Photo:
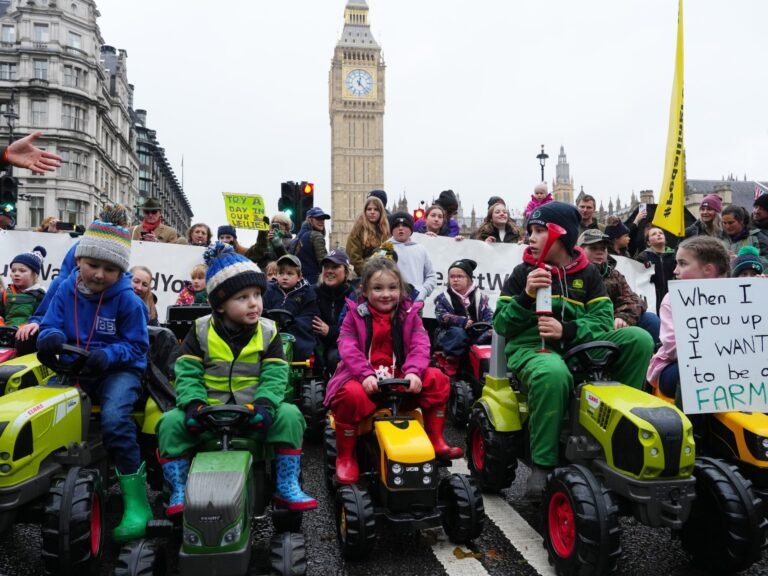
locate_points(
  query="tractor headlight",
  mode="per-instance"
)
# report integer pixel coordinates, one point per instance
(191, 538)
(427, 468)
(646, 435)
(398, 480)
(5, 456)
(426, 480)
(397, 468)
(231, 536)
(764, 442)
(756, 444)
(5, 468)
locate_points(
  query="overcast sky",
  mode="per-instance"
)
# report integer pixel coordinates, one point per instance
(240, 88)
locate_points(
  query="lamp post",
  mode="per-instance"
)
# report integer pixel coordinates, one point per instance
(542, 160)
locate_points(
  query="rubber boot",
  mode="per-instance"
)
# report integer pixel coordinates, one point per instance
(136, 509)
(347, 471)
(434, 422)
(175, 471)
(451, 365)
(289, 493)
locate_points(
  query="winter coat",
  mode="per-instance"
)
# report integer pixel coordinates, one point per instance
(487, 229)
(331, 302)
(534, 203)
(664, 270)
(756, 238)
(187, 296)
(120, 329)
(450, 228)
(697, 229)
(409, 336)
(626, 304)
(416, 267)
(668, 352)
(450, 311)
(263, 251)
(301, 301)
(67, 266)
(17, 306)
(309, 246)
(163, 233)
(358, 252)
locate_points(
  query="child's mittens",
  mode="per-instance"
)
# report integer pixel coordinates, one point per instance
(51, 344)
(98, 361)
(261, 417)
(192, 412)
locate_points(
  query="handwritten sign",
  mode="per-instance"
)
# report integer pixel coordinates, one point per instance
(245, 211)
(721, 331)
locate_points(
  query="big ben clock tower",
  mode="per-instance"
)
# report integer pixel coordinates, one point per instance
(356, 92)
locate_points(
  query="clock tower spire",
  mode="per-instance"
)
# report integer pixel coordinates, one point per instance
(356, 108)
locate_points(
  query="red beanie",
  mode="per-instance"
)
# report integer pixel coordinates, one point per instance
(712, 201)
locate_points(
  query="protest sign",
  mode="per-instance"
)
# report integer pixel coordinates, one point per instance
(721, 331)
(245, 211)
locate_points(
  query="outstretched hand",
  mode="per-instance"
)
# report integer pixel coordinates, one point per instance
(24, 154)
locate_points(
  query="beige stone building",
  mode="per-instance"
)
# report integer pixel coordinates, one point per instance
(562, 187)
(356, 107)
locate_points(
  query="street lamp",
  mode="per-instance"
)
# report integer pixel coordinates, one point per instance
(542, 160)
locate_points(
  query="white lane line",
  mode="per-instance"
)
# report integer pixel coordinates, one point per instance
(521, 535)
(444, 552)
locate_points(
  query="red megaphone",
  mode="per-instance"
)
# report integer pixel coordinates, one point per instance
(554, 233)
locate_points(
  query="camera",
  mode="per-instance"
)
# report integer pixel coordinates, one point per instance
(64, 226)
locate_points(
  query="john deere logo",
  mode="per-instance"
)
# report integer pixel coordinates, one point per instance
(536, 214)
(578, 283)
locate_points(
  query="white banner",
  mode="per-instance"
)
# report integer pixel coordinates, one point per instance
(495, 263)
(170, 264)
(721, 331)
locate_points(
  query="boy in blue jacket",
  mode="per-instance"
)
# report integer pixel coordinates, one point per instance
(293, 293)
(96, 309)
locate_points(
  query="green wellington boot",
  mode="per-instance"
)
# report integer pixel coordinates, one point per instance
(136, 509)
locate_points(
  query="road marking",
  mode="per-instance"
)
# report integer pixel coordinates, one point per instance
(443, 551)
(520, 534)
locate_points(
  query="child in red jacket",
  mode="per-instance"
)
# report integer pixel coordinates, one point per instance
(382, 337)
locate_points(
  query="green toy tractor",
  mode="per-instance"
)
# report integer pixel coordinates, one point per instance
(228, 486)
(400, 482)
(623, 452)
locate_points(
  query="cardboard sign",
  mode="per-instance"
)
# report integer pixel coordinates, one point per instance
(721, 331)
(245, 211)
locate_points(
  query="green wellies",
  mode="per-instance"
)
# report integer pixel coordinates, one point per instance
(136, 509)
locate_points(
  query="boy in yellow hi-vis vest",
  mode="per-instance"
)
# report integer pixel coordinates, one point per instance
(233, 356)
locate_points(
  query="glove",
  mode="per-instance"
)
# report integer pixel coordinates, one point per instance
(193, 410)
(97, 362)
(51, 344)
(261, 417)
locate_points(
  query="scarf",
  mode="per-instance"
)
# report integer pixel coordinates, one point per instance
(147, 227)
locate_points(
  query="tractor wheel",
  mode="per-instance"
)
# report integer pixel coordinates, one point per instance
(311, 398)
(726, 530)
(464, 513)
(140, 558)
(288, 554)
(581, 523)
(73, 525)
(355, 521)
(286, 520)
(460, 402)
(490, 454)
(329, 451)
(6, 521)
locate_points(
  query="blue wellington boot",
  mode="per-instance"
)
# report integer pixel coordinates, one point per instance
(288, 493)
(175, 471)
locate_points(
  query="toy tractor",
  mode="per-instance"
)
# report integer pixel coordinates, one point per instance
(624, 452)
(467, 385)
(17, 372)
(399, 481)
(305, 387)
(228, 486)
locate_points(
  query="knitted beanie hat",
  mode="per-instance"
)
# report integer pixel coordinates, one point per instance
(562, 214)
(748, 258)
(400, 218)
(466, 265)
(614, 231)
(761, 201)
(448, 200)
(32, 260)
(380, 194)
(106, 241)
(228, 273)
(115, 213)
(712, 201)
(226, 229)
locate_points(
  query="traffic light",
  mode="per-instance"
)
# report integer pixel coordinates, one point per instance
(9, 194)
(287, 202)
(306, 197)
(418, 214)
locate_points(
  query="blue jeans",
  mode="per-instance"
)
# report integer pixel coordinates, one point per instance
(669, 380)
(651, 324)
(116, 393)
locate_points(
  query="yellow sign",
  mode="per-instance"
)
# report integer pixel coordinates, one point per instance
(245, 211)
(670, 213)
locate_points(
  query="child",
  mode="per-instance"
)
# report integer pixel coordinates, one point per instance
(24, 294)
(461, 305)
(541, 195)
(228, 235)
(194, 291)
(141, 283)
(255, 375)
(618, 235)
(412, 259)
(368, 233)
(382, 337)
(498, 227)
(747, 263)
(698, 258)
(434, 223)
(271, 271)
(450, 204)
(661, 257)
(332, 292)
(96, 309)
(293, 293)
(581, 312)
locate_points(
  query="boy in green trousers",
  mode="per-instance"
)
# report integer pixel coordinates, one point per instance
(581, 312)
(233, 356)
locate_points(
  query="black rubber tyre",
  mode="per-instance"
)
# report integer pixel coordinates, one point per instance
(311, 398)
(580, 523)
(460, 402)
(726, 530)
(464, 513)
(286, 521)
(490, 455)
(140, 558)
(73, 525)
(355, 522)
(288, 554)
(329, 455)
(6, 521)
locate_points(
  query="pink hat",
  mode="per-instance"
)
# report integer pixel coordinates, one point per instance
(712, 201)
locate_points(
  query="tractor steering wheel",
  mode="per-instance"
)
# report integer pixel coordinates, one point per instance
(224, 416)
(478, 328)
(74, 368)
(8, 336)
(592, 358)
(282, 317)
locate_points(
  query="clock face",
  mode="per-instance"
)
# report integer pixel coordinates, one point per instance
(359, 83)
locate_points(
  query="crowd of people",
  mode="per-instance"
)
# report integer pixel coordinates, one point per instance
(358, 312)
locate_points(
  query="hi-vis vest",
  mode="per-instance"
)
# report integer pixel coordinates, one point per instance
(229, 379)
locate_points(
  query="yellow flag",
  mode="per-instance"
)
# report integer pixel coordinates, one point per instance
(670, 213)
